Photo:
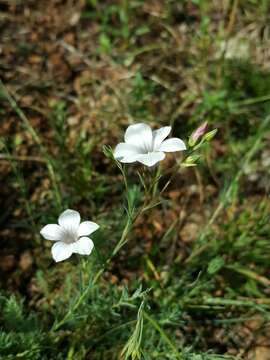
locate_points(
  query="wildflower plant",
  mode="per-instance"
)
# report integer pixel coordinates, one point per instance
(146, 147)
(158, 259)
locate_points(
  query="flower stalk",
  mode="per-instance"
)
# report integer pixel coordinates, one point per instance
(147, 147)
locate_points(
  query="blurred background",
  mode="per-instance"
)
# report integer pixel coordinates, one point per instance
(74, 75)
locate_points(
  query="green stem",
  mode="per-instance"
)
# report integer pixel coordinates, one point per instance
(122, 169)
(164, 336)
(156, 180)
(216, 301)
(74, 308)
(254, 100)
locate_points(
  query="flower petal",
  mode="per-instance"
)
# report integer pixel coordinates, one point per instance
(160, 135)
(70, 220)
(87, 228)
(140, 135)
(52, 232)
(124, 151)
(171, 145)
(83, 246)
(199, 131)
(151, 159)
(61, 251)
(130, 159)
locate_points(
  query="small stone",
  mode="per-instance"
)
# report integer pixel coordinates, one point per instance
(26, 260)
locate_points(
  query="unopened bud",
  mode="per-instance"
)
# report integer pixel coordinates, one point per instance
(209, 136)
(197, 134)
(191, 160)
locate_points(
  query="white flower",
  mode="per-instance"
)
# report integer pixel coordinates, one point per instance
(70, 235)
(146, 146)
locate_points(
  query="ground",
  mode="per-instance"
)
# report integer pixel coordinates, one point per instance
(194, 275)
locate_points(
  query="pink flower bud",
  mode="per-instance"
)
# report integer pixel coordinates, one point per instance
(199, 132)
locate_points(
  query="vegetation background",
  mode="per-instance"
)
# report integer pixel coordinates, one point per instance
(193, 282)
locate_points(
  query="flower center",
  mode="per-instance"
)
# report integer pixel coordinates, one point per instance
(147, 148)
(70, 237)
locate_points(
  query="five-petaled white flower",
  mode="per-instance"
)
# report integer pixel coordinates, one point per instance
(146, 146)
(70, 235)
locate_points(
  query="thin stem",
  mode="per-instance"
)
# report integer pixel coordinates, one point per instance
(122, 169)
(123, 238)
(115, 329)
(81, 266)
(250, 274)
(230, 302)
(156, 180)
(70, 311)
(232, 18)
(9, 157)
(164, 336)
(253, 101)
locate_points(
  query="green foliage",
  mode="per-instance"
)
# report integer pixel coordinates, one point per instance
(114, 22)
(21, 335)
(141, 96)
(133, 346)
(215, 265)
(167, 291)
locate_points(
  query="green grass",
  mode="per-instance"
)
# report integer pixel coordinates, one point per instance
(169, 291)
